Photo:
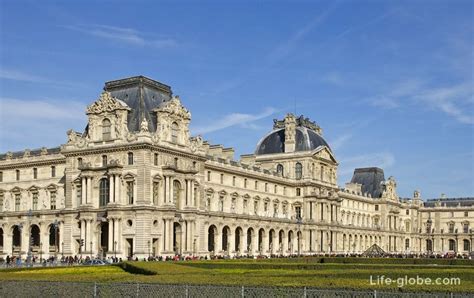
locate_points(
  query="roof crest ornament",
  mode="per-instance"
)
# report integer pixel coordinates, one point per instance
(300, 121)
(106, 103)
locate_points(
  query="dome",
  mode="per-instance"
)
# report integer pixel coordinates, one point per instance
(305, 140)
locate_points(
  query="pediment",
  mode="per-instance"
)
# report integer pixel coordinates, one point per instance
(324, 153)
(106, 103)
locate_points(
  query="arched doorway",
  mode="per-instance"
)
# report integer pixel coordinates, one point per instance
(104, 239)
(211, 238)
(238, 237)
(249, 240)
(177, 238)
(261, 235)
(1, 239)
(16, 235)
(429, 245)
(452, 244)
(35, 237)
(290, 241)
(225, 238)
(281, 236)
(54, 237)
(271, 235)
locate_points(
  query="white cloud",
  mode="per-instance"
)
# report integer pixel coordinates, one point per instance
(232, 120)
(340, 141)
(15, 75)
(36, 123)
(382, 160)
(124, 35)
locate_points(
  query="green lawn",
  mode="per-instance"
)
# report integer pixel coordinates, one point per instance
(281, 272)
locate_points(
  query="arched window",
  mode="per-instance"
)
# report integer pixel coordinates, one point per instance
(407, 244)
(298, 171)
(103, 192)
(174, 132)
(280, 169)
(106, 131)
(130, 158)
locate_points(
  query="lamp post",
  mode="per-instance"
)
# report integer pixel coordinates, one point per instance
(29, 253)
(55, 225)
(298, 237)
(149, 253)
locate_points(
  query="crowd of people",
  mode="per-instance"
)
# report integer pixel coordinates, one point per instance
(35, 261)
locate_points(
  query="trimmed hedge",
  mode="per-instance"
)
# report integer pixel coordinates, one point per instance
(133, 269)
(355, 260)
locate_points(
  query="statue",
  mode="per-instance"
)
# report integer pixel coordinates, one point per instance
(144, 125)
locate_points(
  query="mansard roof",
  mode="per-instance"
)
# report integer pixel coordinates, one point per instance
(371, 180)
(34, 152)
(142, 95)
(451, 202)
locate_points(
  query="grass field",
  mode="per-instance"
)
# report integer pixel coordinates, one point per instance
(269, 272)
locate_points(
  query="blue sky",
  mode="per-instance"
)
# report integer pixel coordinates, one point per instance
(390, 82)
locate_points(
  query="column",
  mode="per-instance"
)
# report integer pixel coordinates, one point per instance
(166, 189)
(218, 244)
(117, 189)
(231, 241)
(170, 190)
(243, 241)
(110, 247)
(112, 189)
(192, 202)
(171, 235)
(89, 190)
(83, 190)
(284, 242)
(254, 242)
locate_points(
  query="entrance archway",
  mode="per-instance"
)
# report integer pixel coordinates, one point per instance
(177, 238)
(16, 235)
(54, 237)
(104, 239)
(225, 239)
(35, 237)
(211, 238)
(261, 235)
(238, 237)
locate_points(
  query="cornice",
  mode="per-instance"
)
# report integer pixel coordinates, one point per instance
(32, 163)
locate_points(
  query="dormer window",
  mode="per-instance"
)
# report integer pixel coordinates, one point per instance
(280, 169)
(298, 170)
(174, 132)
(106, 130)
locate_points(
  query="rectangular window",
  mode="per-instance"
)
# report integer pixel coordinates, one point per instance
(1, 176)
(53, 200)
(284, 190)
(156, 192)
(17, 202)
(208, 175)
(466, 213)
(155, 159)
(1, 202)
(275, 189)
(256, 185)
(222, 178)
(245, 183)
(35, 201)
(233, 181)
(130, 158)
(408, 212)
(17, 175)
(79, 194)
(298, 212)
(35, 173)
(376, 207)
(266, 187)
(130, 192)
(298, 191)
(466, 228)
(53, 171)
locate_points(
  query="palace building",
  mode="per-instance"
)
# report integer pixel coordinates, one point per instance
(136, 183)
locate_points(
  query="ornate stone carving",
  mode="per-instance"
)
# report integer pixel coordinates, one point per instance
(389, 189)
(144, 125)
(106, 103)
(27, 153)
(174, 107)
(196, 143)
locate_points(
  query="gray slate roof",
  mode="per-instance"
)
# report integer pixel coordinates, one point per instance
(33, 152)
(142, 95)
(450, 202)
(371, 179)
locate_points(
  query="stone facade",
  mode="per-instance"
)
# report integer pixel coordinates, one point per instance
(140, 189)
